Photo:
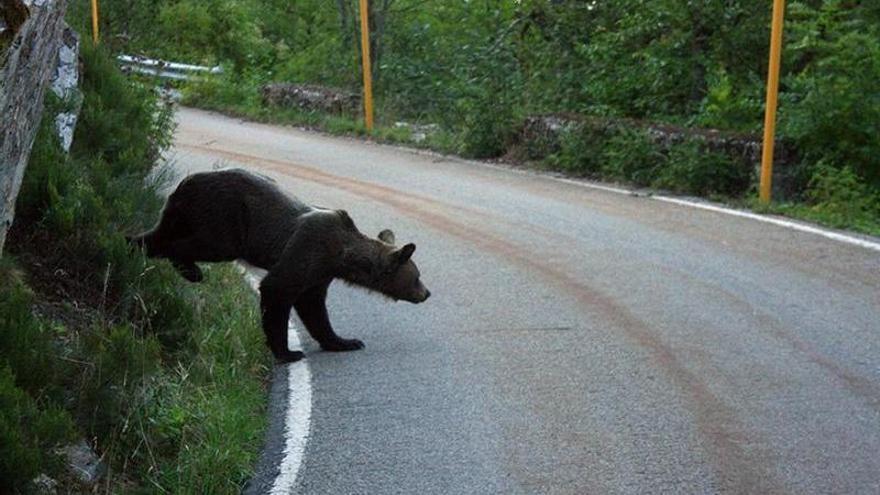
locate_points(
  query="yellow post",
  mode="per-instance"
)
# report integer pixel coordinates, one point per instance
(368, 74)
(95, 21)
(772, 93)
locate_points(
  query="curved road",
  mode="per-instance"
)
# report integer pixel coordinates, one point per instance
(577, 340)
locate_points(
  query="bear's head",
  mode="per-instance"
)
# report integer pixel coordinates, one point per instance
(399, 278)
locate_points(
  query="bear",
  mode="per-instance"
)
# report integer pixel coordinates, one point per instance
(234, 214)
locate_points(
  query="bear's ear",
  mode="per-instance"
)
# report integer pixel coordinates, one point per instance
(386, 236)
(405, 253)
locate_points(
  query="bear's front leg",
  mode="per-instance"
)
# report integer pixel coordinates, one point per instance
(311, 307)
(275, 324)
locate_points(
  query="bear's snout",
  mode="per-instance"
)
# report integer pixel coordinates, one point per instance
(420, 296)
(423, 296)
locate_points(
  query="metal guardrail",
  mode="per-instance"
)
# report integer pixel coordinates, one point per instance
(165, 69)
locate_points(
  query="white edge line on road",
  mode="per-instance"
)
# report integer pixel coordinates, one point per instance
(775, 221)
(297, 421)
(801, 227)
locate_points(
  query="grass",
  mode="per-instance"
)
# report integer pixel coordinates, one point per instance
(864, 223)
(835, 197)
(164, 379)
(199, 416)
(32, 422)
(184, 419)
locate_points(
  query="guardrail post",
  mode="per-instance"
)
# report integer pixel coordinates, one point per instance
(95, 21)
(368, 73)
(772, 94)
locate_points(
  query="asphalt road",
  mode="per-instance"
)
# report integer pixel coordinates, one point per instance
(577, 340)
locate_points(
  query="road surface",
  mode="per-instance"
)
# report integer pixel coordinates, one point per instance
(577, 340)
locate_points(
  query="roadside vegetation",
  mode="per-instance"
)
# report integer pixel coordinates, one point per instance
(480, 69)
(163, 379)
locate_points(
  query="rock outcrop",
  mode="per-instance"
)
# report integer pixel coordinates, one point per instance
(28, 67)
(65, 85)
(311, 98)
(541, 135)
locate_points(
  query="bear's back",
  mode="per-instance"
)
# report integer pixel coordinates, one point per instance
(240, 208)
(231, 189)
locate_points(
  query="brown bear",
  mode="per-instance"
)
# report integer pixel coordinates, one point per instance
(234, 214)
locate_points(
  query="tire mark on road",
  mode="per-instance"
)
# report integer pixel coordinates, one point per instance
(859, 386)
(739, 470)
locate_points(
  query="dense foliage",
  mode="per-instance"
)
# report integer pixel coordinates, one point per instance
(97, 342)
(477, 67)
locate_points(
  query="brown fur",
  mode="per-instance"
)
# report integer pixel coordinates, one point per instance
(234, 214)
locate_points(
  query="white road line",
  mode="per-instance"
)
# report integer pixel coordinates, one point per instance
(775, 221)
(297, 421)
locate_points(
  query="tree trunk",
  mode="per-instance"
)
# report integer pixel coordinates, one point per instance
(29, 66)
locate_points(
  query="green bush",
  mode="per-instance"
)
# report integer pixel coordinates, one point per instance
(227, 92)
(32, 423)
(26, 343)
(692, 168)
(47, 179)
(581, 149)
(841, 198)
(731, 106)
(29, 433)
(120, 123)
(321, 61)
(631, 155)
(488, 124)
(831, 109)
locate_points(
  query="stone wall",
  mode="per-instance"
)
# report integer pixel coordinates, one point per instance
(311, 98)
(29, 65)
(541, 135)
